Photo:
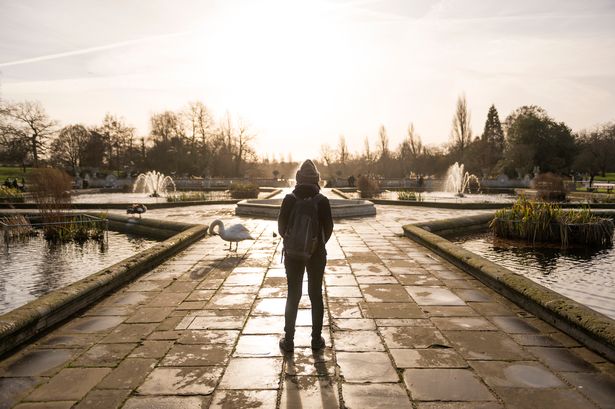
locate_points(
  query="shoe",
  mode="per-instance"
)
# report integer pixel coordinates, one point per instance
(286, 345)
(318, 343)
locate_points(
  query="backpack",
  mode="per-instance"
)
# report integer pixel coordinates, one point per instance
(301, 236)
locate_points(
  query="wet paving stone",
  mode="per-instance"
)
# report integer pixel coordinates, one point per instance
(149, 314)
(59, 340)
(418, 280)
(93, 324)
(104, 355)
(257, 346)
(561, 359)
(385, 293)
(252, 373)
(491, 309)
(516, 374)
(344, 310)
(168, 299)
(463, 323)
(128, 298)
(486, 345)
(412, 337)
(368, 269)
(427, 358)
(45, 405)
(305, 361)
(433, 296)
(461, 385)
(129, 374)
(308, 392)
(227, 337)
(270, 306)
(538, 340)
(472, 294)
(392, 310)
(377, 280)
(264, 325)
(151, 349)
(366, 367)
(197, 355)
(344, 292)
(516, 398)
(354, 324)
(514, 325)
(242, 279)
(448, 311)
(357, 341)
(110, 310)
(598, 387)
(220, 322)
(181, 381)
(200, 295)
(70, 384)
(459, 405)
(125, 333)
(13, 389)
(103, 399)
(236, 399)
(403, 322)
(38, 362)
(339, 280)
(168, 402)
(231, 301)
(382, 396)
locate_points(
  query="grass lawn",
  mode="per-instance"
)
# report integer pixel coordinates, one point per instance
(12, 172)
(607, 176)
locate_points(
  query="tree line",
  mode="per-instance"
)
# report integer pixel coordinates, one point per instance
(191, 142)
(185, 142)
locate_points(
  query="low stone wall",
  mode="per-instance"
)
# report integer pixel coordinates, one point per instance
(31, 320)
(123, 206)
(587, 326)
(442, 205)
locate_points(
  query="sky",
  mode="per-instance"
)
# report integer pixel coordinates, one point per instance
(302, 73)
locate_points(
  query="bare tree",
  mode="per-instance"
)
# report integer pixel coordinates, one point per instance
(200, 123)
(461, 133)
(68, 147)
(342, 151)
(28, 121)
(327, 154)
(383, 142)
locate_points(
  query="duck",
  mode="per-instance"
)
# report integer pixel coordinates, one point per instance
(233, 234)
(136, 208)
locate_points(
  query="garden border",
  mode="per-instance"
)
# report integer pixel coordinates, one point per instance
(31, 320)
(589, 327)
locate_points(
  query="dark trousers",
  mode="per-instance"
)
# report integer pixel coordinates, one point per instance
(315, 267)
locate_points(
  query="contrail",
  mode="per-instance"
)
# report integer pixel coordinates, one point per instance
(90, 49)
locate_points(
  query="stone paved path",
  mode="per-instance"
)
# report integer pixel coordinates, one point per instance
(404, 329)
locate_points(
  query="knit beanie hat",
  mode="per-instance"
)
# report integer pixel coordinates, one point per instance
(308, 174)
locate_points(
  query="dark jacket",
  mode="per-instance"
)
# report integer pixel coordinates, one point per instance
(324, 210)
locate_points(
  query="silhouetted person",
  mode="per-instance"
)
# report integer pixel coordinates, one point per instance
(305, 223)
(351, 181)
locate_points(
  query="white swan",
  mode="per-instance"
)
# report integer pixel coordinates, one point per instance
(234, 233)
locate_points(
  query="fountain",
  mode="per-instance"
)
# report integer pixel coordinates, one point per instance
(458, 181)
(154, 183)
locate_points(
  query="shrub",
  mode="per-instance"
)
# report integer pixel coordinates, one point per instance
(368, 187)
(244, 191)
(549, 187)
(197, 196)
(11, 195)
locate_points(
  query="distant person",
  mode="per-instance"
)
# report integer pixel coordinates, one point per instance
(305, 224)
(351, 181)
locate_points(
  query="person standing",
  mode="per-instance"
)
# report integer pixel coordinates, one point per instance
(305, 217)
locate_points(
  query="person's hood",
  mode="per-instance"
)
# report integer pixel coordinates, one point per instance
(303, 191)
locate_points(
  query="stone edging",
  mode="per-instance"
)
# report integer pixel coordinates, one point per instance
(123, 206)
(594, 330)
(441, 205)
(28, 321)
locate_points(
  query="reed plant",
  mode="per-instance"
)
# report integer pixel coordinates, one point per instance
(244, 191)
(409, 195)
(536, 221)
(197, 196)
(368, 187)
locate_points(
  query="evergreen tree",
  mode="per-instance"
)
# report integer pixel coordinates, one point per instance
(492, 141)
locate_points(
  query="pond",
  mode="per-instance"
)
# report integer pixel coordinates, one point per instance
(35, 267)
(585, 275)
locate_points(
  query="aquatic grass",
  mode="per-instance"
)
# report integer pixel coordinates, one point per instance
(536, 221)
(198, 196)
(11, 195)
(410, 195)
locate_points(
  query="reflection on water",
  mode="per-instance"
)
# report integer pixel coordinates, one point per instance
(583, 274)
(34, 267)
